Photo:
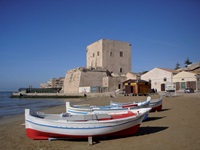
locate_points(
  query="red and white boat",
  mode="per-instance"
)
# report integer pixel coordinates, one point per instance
(114, 107)
(46, 126)
(142, 104)
(156, 104)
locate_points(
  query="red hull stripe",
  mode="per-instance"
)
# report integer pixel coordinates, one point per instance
(39, 135)
(118, 116)
(129, 105)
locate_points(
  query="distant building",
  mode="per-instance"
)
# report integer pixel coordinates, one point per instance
(57, 82)
(107, 63)
(135, 76)
(53, 83)
(45, 85)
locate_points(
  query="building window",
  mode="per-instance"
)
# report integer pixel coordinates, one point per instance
(119, 86)
(98, 53)
(111, 54)
(120, 70)
(121, 54)
(93, 54)
(165, 79)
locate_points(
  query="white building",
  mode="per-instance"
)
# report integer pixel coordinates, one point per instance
(187, 79)
(159, 78)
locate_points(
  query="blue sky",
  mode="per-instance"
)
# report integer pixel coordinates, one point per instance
(42, 39)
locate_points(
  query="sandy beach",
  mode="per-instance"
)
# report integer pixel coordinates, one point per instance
(177, 126)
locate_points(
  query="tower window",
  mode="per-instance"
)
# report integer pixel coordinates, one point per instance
(119, 86)
(121, 54)
(120, 70)
(111, 54)
(93, 54)
(98, 53)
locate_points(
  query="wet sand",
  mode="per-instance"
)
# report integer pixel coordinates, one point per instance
(177, 126)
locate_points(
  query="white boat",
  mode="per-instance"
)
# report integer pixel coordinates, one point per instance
(45, 126)
(156, 104)
(114, 107)
(132, 104)
(87, 109)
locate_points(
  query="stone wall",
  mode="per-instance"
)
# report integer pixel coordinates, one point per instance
(113, 83)
(80, 77)
(72, 81)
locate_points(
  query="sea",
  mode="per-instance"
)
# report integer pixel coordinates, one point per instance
(13, 106)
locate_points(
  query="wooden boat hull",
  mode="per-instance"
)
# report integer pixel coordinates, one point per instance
(132, 104)
(40, 135)
(43, 129)
(87, 110)
(113, 107)
(156, 105)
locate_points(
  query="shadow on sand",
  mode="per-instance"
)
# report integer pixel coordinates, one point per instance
(149, 130)
(166, 109)
(153, 118)
(142, 131)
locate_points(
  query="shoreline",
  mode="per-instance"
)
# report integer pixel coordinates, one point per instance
(175, 127)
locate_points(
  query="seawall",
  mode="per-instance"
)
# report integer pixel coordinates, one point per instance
(59, 95)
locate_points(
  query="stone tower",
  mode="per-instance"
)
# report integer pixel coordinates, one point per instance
(108, 61)
(111, 55)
